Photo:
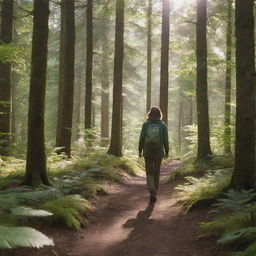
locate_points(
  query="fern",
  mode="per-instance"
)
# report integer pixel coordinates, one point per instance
(12, 237)
(207, 187)
(68, 210)
(236, 200)
(250, 251)
(26, 211)
(241, 235)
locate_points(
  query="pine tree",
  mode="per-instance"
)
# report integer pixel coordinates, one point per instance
(66, 76)
(89, 62)
(5, 74)
(244, 169)
(36, 157)
(227, 131)
(204, 148)
(164, 69)
(116, 130)
(149, 54)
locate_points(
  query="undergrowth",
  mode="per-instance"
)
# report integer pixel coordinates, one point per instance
(74, 181)
(209, 186)
(238, 226)
(193, 167)
(69, 210)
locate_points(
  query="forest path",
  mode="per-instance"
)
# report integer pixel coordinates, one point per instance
(125, 224)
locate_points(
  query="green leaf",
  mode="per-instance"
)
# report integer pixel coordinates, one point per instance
(13, 237)
(245, 234)
(26, 211)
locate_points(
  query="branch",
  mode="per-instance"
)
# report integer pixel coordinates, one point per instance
(190, 21)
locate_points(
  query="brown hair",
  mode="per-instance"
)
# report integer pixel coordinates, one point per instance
(155, 113)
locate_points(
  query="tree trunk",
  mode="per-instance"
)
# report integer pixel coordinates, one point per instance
(36, 157)
(77, 107)
(89, 62)
(104, 95)
(15, 82)
(164, 70)
(204, 148)
(243, 176)
(5, 75)
(227, 131)
(116, 131)
(149, 56)
(67, 47)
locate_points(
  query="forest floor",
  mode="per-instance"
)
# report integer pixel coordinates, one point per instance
(123, 223)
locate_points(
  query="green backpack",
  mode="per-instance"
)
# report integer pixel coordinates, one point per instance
(153, 137)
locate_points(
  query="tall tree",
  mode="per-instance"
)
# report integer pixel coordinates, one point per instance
(66, 76)
(104, 94)
(227, 131)
(5, 74)
(116, 130)
(36, 157)
(244, 169)
(89, 62)
(149, 55)
(204, 148)
(164, 69)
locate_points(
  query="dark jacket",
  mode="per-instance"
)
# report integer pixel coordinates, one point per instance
(154, 153)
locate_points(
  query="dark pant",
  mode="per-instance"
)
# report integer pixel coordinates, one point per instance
(153, 170)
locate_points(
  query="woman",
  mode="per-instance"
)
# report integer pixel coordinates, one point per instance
(155, 145)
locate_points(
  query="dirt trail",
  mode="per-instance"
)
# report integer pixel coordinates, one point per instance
(124, 224)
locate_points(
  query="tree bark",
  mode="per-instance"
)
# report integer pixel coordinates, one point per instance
(89, 62)
(116, 131)
(164, 69)
(36, 157)
(77, 107)
(227, 129)
(5, 77)
(104, 95)
(149, 55)
(204, 148)
(66, 86)
(244, 169)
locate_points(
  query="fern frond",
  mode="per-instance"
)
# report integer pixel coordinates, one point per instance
(13, 237)
(26, 211)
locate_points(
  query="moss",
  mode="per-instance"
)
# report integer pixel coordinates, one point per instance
(193, 167)
(69, 210)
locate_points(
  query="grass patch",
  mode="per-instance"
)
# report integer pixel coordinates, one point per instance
(193, 167)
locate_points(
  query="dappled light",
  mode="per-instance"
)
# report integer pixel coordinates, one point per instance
(127, 128)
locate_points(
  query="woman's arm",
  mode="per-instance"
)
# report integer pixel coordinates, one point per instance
(166, 140)
(142, 138)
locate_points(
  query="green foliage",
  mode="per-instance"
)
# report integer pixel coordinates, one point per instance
(193, 167)
(250, 251)
(69, 210)
(229, 223)
(236, 200)
(208, 187)
(27, 211)
(238, 227)
(12, 237)
(241, 235)
(105, 161)
(10, 53)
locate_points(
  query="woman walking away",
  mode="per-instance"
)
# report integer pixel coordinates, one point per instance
(155, 145)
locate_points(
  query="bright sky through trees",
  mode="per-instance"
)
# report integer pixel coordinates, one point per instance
(180, 3)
